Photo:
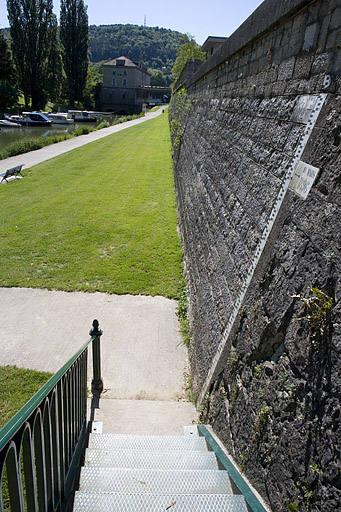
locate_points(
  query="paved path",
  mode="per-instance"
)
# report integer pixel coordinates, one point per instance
(144, 361)
(143, 356)
(40, 155)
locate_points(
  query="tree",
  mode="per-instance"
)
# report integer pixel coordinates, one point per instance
(93, 85)
(157, 78)
(74, 37)
(33, 35)
(8, 90)
(7, 72)
(188, 50)
(55, 74)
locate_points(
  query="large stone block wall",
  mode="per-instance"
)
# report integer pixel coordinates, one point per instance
(268, 377)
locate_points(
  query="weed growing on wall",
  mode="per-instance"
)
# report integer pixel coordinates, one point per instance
(258, 371)
(233, 357)
(318, 308)
(261, 420)
(188, 388)
(182, 312)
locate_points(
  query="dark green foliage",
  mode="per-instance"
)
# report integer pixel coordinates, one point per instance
(7, 72)
(157, 78)
(74, 39)
(8, 95)
(54, 68)
(153, 47)
(92, 87)
(189, 49)
(33, 35)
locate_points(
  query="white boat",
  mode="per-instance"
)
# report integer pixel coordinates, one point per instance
(82, 116)
(34, 119)
(60, 118)
(14, 119)
(6, 123)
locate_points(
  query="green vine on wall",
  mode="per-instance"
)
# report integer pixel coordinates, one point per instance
(178, 111)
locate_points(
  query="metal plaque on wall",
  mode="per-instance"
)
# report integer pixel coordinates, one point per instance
(303, 179)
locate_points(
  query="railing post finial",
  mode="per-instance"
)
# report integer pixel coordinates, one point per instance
(97, 381)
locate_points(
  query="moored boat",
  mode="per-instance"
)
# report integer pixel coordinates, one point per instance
(82, 116)
(6, 123)
(14, 118)
(60, 118)
(34, 119)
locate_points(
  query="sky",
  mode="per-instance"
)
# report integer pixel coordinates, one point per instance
(197, 17)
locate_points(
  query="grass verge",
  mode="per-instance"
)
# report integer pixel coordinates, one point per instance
(99, 218)
(17, 386)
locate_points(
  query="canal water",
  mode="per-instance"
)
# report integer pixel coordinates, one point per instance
(9, 135)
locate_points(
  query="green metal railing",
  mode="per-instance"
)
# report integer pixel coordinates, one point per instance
(40, 446)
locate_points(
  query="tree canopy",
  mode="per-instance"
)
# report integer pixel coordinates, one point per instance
(33, 35)
(153, 47)
(189, 49)
(8, 90)
(157, 77)
(74, 40)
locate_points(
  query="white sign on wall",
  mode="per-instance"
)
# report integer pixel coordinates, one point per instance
(303, 179)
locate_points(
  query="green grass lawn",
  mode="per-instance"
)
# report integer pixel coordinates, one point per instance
(99, 218)
(17, 386)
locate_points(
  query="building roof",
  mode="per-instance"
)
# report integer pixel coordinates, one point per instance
(127, 63)
(212, 41)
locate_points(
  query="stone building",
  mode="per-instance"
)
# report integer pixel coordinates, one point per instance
(124, 86)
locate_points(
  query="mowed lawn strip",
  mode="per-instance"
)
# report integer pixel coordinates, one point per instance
(99, 218)
(17, 386)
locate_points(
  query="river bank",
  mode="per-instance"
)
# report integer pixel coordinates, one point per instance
(19, 140)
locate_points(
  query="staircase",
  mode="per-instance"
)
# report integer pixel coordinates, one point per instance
(153, 473)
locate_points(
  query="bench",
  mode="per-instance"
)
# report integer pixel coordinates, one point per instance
(13, 171)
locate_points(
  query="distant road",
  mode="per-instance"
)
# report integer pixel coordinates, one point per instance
(41, 155)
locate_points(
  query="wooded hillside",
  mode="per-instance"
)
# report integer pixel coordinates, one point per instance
(153, 47)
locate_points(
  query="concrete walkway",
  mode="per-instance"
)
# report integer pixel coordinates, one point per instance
(144, 361)
(40, 155)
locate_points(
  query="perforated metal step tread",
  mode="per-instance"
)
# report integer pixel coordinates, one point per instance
(155, 481)
(150, 459)
(140, 442)
(107, 502)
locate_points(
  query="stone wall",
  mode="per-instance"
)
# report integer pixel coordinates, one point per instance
(262, 264)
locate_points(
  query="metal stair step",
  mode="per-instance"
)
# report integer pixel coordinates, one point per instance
(142, 442)
(150, 459)
(155, 481)
(103, 502)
